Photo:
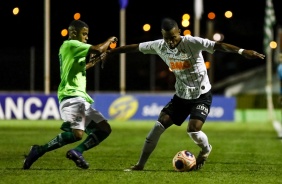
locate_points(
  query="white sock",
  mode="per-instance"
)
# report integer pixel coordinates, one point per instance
(150, 143)
(201, 139)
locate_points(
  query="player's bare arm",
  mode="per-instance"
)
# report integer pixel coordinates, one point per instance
(125, 49)
(94, 59)
(122, 49)
(92, 62)
(249, 54)
(102, 47)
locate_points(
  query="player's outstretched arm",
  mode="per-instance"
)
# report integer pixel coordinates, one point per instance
(124, 49)
(102, 47)
(249, 54)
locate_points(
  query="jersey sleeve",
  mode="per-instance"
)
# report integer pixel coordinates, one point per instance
(201, 43)
(148, 47)
(80, 49)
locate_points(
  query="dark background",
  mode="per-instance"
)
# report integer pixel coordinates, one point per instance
(25, 31)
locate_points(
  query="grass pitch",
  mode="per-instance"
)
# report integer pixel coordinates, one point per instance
(242, 153)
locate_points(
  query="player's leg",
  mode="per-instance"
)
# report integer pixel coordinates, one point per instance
(201, 139)
(66, 126)
(149, 145)
(97, 132)
(37, 151)
(95, 137)
(78, 130)
(168, 116)
(72, 112)
(198, 116)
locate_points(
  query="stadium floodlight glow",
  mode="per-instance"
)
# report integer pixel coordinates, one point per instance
(228, 14)
(185, 23)
(64, 32)
(273, 45)
(186, 32)
(76, 16)
(218, 37)
(211, 15)
(16, 11)
(146, 27)
(186, 16)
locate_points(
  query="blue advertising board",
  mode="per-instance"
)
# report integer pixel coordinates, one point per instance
(112, 106)
(143, 106)
(29, 106)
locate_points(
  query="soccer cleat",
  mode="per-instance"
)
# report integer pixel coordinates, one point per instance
(77, 158)
(135, 168)
(32, 156)
(201, 158)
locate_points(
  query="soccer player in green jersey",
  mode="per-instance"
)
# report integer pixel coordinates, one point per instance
(75, 103)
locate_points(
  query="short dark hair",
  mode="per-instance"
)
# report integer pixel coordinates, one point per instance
(168, 24)
(78, 24)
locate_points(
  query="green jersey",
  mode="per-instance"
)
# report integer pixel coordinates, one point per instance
(72, 55)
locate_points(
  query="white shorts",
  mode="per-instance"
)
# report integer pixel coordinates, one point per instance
(79, 113)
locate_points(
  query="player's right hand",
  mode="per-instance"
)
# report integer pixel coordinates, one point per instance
(251, 54)
(113, 39)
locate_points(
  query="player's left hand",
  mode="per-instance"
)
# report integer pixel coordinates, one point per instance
(251, 54)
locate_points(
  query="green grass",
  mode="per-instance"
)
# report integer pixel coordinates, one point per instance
(242, 153)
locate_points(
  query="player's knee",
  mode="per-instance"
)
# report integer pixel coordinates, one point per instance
(78, 134)
(194, 125)
(165, 120)
(99, 135)
(105, 126)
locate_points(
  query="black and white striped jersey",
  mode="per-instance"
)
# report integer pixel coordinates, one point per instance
(186, 62)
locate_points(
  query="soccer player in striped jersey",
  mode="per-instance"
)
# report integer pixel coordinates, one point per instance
(183, 55)
(75, 103)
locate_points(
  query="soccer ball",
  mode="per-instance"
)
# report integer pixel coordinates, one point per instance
(184, 161)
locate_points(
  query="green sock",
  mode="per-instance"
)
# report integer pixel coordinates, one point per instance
(66, 126)
(57, 142)
(92, 140)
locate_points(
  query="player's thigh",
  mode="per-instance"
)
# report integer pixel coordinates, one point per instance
(93, 115)
(175, 112)
(73, 110)
(165, 120)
